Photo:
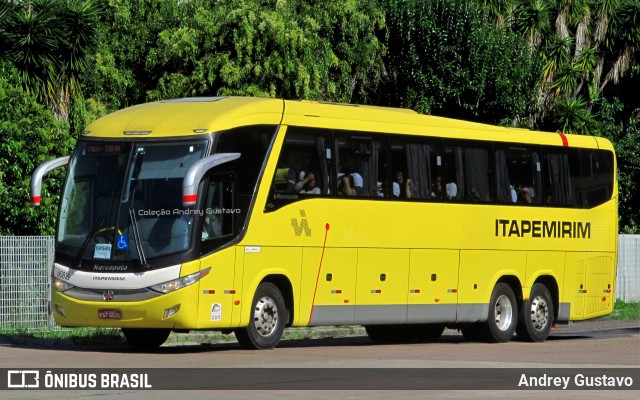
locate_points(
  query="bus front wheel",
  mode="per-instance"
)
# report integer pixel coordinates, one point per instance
(503, 315)
(536, 315)
(146, 338)
(268, 317)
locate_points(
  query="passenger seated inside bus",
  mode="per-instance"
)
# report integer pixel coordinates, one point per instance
(452, 190)
(346, 186)
(438, 191)
(308, 184)
(402, 188)
(211, 227)
(379, 189)
(525, 194)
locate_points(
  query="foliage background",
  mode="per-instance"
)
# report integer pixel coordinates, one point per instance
(556, 65)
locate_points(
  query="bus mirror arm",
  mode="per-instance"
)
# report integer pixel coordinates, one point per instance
(40, 172)
(195, 173)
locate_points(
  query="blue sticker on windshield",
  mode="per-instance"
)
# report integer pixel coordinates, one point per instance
(122, 242)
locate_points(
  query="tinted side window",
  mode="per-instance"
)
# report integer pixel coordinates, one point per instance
(523, 174)
(304, 167)
(361, 162)
(252, 142)
(468, 171)
(575, 177)
(597, 176)
(416, 169)
(477, 173)
(453, 172)
(218, 225)
(556, 177)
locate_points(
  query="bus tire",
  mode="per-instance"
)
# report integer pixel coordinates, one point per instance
(268, 317)
(536, 315)
(503, 315)
(146, 338)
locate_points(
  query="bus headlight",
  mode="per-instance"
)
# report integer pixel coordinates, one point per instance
(61, 285)
(170, 286)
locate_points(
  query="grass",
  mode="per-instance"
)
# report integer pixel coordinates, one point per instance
(82, 335)
(622, 311)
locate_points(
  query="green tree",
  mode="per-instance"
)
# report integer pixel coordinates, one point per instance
(531, 18)
(594, 43)
(445, 58)
(323, 50)
(622, 42)
(122, 73)
(49, 42)
(574, 116)
(625, 134)
(29, 135)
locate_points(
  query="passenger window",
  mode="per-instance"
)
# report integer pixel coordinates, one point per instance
(575, 178)
(303, 168)
(505, 192)
(597, 169)
(416, 167)
(361, 161)
(477, 174)
(555, 178)
(454, 172)
(525, 169)
(468, 172)
(252, 142)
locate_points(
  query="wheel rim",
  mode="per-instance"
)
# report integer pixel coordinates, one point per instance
(503, 313)
(539, 313)
(265, 316)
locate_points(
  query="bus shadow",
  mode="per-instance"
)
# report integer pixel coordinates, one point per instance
(119, 346)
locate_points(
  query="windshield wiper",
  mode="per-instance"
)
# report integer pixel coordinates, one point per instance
(136, 236)
(133, 185)
(83, 248)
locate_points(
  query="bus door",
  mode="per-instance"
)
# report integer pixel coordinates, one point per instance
(218, 221)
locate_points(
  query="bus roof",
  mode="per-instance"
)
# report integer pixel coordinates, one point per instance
(201, 115)
(187, 117)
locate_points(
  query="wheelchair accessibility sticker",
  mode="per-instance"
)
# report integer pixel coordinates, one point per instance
(122, 242)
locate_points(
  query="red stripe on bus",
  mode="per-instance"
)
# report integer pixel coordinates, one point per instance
(565, 142)
(315, 290)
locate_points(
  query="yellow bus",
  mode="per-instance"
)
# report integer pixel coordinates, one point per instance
(250, 215)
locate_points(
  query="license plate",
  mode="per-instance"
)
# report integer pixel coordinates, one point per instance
(109, 314)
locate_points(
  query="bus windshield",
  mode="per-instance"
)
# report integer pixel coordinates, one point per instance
(123, 201)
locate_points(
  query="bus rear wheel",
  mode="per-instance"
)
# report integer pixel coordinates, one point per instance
(146, 338)
(268, 317)
(503, 315)
(536, 315)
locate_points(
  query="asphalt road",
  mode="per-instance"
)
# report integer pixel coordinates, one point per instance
(605, 345)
